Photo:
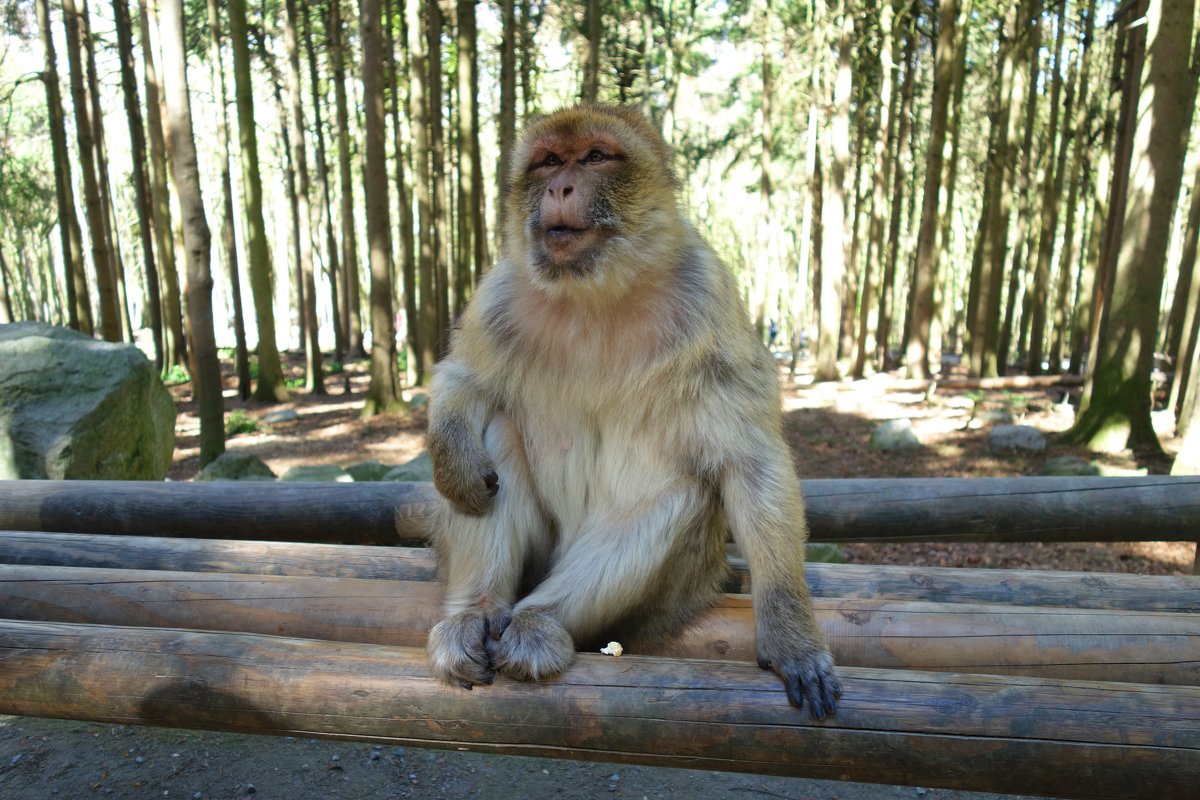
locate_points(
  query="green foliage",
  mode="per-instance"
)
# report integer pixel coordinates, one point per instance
(334, 367)
(176, 375)
(293, 384)
(238, 421)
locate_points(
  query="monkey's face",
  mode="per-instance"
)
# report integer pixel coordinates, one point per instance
(588, 188)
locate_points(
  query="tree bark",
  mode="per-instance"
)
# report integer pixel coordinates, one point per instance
(925, 274)
(206, 370)
(325, 210)
(314, 377)
(351, 306)
(437, 161)
(590, 92)
(833, 217)
(383, 396)
(110, 318)
(868, 312)
(228, 243)
(174, 346)
(1117, 414)
(270, 387)
(79, 305)
(1052, 183)
(506, 132)
(141, 183)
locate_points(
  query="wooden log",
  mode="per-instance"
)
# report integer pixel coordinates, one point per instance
(1148, 508)
(998, 383)
(217, 555)
(1062, 738)
(356, 513)
(1065, 643)
(933, 584)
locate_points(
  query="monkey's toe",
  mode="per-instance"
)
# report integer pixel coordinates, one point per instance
(534, 646)
(457, 650)
(811, 679)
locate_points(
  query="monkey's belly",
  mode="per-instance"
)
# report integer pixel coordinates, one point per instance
(583, 474)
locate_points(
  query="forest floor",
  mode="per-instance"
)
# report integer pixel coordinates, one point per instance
(828, 427)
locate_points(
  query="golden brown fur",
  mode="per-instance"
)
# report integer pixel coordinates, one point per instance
(604, 418)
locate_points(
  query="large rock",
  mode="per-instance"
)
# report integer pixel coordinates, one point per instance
(1016, 438)
(419, 469)
(234, 465)
(895, 434)
(72, 407)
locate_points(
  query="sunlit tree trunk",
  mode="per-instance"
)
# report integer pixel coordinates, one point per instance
(174, 347)
(419, 116)
(1115, 411)
(1052, 183)
(314, 378)
(833, 229)
(868, 311)
(351, 314)
(110, 317)
(468, 159)
(79, 305)
(206, 370)
(925, 274)
(507, 124)
(437, 166)
(270, 387)
(591, 72)
(383, 396)
(141, 182)
(325, 210)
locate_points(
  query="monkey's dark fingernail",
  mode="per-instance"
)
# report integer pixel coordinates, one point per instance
(492, 481)
(465, 684)
(764, 663)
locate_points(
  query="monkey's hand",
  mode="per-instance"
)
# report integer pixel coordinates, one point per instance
(796, 653)
(462, 470)
(458, 647)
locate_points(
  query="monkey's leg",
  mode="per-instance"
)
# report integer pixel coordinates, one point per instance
(480, 559)
(765, 510)
(602, 572)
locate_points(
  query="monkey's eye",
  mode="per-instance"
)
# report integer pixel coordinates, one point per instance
(595, 157)
(551, 160)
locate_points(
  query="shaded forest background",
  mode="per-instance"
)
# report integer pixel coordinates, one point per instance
(898, 185)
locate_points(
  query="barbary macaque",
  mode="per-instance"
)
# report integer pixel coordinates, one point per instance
(605, 417)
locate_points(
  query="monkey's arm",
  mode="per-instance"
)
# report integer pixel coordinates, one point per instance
(765, 511)
(462, 470)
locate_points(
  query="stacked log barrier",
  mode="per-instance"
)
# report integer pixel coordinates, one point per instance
(1064, 684)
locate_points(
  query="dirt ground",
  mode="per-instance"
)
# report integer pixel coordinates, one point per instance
(828, 427)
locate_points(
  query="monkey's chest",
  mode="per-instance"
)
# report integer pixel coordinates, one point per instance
(582, 470)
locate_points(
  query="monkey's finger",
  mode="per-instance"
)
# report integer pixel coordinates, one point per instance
(492, 481)
(497, 625)
(831, 690)
(795, 689)
(764, 662)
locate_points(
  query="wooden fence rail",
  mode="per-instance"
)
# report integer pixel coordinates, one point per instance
(1152, 508)
(1067, 739)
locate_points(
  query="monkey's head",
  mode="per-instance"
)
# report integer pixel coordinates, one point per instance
(591, 201)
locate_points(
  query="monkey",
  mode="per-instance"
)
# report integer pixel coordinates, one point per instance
(605, 416)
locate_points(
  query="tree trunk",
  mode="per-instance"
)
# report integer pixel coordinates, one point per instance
(899, 178)
(833, 228)
(437, 160)
(270, 386)
(104, 182)
(383, 396)
(1076, 130)
(925, 275)
(314, 378)
(174, 346)
(206, 370)
(1052, 182)
(351, 315)
(419, 114)
(79, 305)
(507, 127)
(110, 319)
(468, 158)
(591, 72)
(228, 243)
(407, 267)
(332, 262)
(141, 183)
(1117, 413)
(868, 318)
(1189, 326)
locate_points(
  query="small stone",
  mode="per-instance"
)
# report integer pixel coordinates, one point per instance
(280, 416)
(895, 434)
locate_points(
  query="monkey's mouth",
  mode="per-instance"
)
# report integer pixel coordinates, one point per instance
(565, 233)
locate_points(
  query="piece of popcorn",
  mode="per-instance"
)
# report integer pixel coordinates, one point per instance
(614, 649)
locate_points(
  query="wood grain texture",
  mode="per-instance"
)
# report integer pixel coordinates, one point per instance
(1086, 644)
(1061, 738)
(1148, 508)
(880, 582)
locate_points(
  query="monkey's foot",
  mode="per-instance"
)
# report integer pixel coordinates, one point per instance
(458, 649)
(809, 677)
(534, 646)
